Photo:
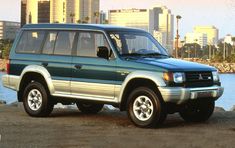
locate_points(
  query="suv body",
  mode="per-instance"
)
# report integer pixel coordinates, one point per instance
(92, 65)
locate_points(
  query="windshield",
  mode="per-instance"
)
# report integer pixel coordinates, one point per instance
(136, 43)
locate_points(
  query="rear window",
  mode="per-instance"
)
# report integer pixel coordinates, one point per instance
(30, 42)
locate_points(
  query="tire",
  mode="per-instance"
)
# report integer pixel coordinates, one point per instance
(151, 113)
(89, 108)
(198, 111)
(36, 100)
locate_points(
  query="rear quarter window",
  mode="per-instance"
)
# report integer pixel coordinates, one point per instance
(30, 42)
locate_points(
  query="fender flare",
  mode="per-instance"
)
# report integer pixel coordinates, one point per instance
(40, 70)
(156, 77)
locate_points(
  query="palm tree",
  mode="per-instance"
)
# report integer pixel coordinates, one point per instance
(106, 21)
(96, 15)
(86, 19)
(233, 39)
(79, 21)
(72, 15)
(5, 46)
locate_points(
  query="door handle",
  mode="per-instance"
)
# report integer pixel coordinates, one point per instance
(45, 64)
(78, 66)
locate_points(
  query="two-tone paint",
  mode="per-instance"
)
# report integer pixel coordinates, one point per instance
(100, 79)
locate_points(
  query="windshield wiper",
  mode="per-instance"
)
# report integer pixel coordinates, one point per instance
(145, 55)
(156, 54)
(132, 54)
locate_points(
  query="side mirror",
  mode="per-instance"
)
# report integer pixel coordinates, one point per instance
(103, 52)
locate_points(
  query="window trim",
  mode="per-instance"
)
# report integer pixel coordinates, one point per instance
(115, 53)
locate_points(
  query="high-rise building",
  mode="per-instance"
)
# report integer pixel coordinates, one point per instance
(158, 21)
(165, 25)
(44, 11)
(59, 11)
(89, 11)
(31, 11)
(211, 31)
(73, 11)
(23, 12)
(103, 17)
(229, 39)
(199, 38)
(160, 37)
(35, 11)
(8, 29)
(138, 18)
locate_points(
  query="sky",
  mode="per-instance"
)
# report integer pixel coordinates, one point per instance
(220, 13)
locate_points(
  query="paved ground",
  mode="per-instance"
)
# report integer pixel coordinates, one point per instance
(70, 128)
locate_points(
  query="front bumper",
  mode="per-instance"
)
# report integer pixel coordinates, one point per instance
(180, 95)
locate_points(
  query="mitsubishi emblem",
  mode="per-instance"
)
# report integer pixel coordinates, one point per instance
(200, 77)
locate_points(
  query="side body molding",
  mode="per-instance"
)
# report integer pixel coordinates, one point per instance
(40, 70)
(156, 77)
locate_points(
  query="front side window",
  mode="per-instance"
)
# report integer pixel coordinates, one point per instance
(88, 43)
(30, 42)
(136, 43)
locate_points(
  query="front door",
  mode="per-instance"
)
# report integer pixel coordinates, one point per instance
(93, 77)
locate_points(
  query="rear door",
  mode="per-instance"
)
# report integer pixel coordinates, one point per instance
(56, 58)
(92, 76)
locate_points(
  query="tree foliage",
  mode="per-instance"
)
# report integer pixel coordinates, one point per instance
(212, 52)
(5, 46)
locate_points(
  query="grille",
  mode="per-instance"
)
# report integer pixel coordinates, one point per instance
(198, 79)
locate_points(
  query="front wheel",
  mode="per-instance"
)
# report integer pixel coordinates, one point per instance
(36, 100)
(89, 108)
(146, 108)
(198, 111)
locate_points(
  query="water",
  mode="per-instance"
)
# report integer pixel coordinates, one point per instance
(7, 94)
(226, 101)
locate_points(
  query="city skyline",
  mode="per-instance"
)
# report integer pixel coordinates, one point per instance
(157, 20)
(218, 13)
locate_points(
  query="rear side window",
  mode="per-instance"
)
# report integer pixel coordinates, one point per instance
(49, 43)
(59, 43)
(64, 43)
(30, 42)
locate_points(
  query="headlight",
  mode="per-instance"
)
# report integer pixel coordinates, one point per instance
(215, 75)
(176, 77)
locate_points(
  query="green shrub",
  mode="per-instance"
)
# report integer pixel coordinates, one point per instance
(5, 46)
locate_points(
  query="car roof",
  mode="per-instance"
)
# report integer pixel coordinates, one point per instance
(102, 27)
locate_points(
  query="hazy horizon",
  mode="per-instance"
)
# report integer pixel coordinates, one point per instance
(220, 13)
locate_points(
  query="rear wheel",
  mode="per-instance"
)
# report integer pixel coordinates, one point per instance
(89, 108)
(36, 100)
(146, 108)
(198, 111)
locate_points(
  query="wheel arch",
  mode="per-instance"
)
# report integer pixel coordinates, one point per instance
(141, 78)
(34, 72)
